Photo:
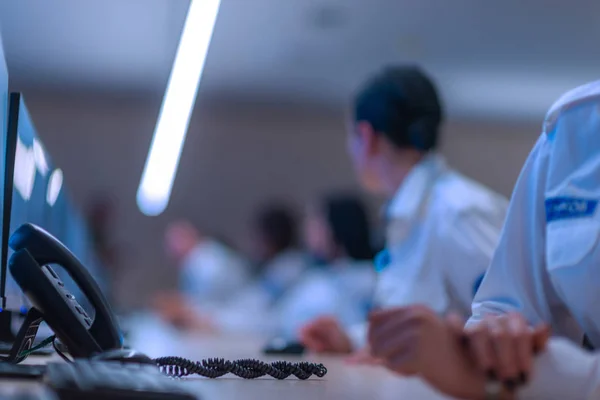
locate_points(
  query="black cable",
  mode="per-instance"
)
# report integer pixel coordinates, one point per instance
(43, 343)
(62, 355)
(246, 368)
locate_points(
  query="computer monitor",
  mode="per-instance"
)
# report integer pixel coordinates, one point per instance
(20, 202)
(39, 197)
(34, 192)
(5, 319)
(3, 131)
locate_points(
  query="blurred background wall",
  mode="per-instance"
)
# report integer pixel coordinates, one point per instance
(237, 155)
(269, 119)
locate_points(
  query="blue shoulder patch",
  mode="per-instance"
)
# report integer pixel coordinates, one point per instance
(382, 260)
(558, 208)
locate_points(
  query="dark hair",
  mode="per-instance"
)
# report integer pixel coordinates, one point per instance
(403, 104)
(278, 225)
(349, 224)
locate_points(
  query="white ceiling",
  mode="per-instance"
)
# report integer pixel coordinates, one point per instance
(506, 59)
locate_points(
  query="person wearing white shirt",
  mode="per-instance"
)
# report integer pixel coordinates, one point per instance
(337, 235)
(546, 266)
(545, 271)
(275, 248)
(209, 272)
(442, 228)
(339, 282)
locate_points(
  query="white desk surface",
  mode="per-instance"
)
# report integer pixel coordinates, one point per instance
(341, 382)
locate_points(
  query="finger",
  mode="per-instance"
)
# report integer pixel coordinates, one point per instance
(381, 334)
(482, 351)
(327, 337)
(456, 323)
(382, 314)
(414, 311)
(522, 338)
(310, 338)
(541, 334)
(395, 320)
(363, 357)
(403, 362)
(394, 344)
(316, 325)
(326, 321)
(505, 352)
(313, 344)
(457, 326)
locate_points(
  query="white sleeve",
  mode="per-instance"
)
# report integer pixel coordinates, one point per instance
(443, 276)
(564, 371)
(572, 214)
(413, 277)
(465, 252)
(516, 277)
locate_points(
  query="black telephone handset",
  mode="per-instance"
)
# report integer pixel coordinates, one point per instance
(34, 251)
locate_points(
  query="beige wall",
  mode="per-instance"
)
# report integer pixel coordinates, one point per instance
(235, 157)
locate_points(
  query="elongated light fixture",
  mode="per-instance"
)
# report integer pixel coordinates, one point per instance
(169, 135)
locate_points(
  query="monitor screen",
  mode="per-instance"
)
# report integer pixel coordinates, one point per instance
(3, 125)
(30, 170)
(38, 196)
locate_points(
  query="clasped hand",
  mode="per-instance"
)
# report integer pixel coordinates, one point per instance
(459, 362)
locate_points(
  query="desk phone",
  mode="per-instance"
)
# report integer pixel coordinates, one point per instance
(98, 338)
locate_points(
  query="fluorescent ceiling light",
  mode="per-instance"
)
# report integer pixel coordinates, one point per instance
(159, 172)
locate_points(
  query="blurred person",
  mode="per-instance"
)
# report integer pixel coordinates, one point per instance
(337, 236)
(543, 274)
(339, 280)
(442, 227)
(276, 250)
(546, 266)
(209, 274)
(280, 265)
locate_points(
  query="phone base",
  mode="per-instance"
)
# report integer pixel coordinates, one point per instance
(25, 338)
(6, 334)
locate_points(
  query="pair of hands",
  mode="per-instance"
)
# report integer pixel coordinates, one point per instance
(178, 311)
(459, 362)
(416, 341)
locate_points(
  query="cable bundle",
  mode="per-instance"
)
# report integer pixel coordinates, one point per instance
(247, 368)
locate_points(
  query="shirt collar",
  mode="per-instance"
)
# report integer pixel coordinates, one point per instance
(413, 190)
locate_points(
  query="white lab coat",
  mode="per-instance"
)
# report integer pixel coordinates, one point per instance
(248, 311)
(212, 274)
(343, 289)
(547, 265)
(443, 228)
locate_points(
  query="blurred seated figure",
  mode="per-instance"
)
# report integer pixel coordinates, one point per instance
(280, 264)
(209, 273)
(338, 237)
(339, 281)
